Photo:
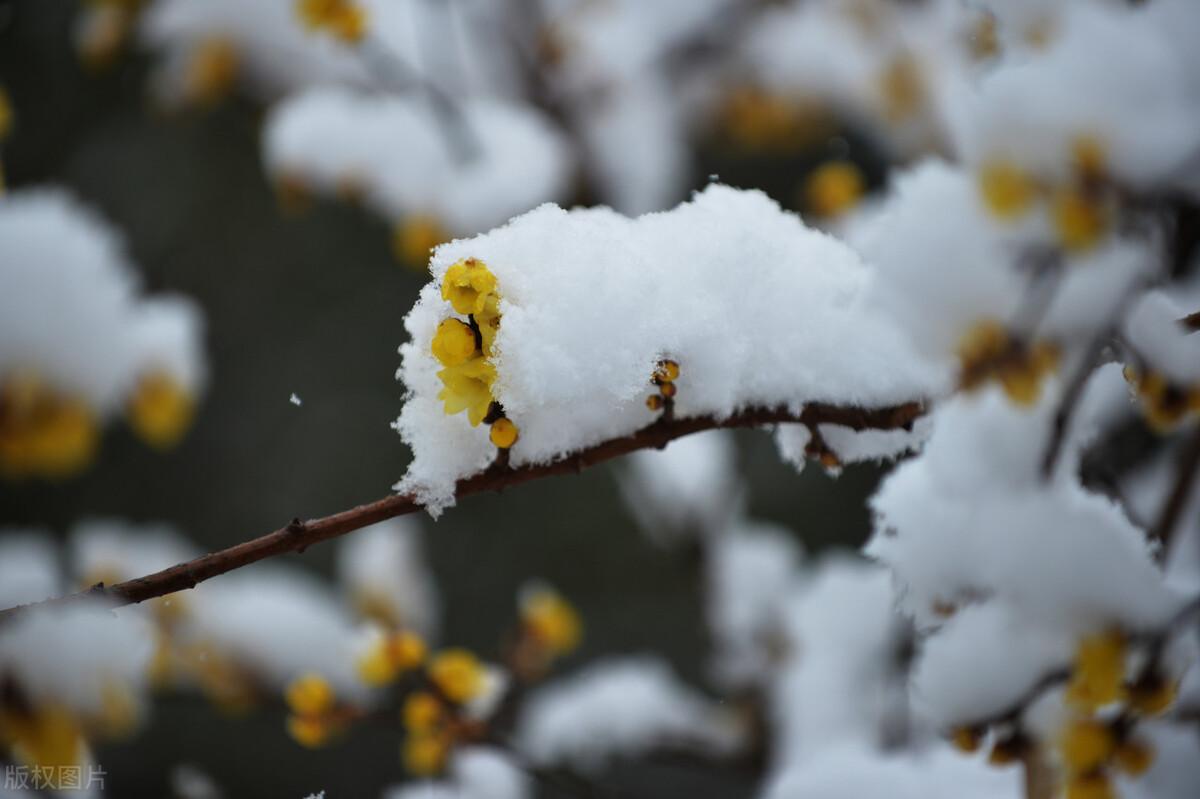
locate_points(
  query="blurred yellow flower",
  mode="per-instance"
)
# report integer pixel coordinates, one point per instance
(552, 621)
(458, 674)
(1098, 671)
(342, 19)
(160, 410)
(833, 188)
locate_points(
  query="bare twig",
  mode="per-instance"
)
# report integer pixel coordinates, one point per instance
(298, 535)
(1185, 478)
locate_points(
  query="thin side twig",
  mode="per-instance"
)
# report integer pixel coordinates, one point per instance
(298, 535)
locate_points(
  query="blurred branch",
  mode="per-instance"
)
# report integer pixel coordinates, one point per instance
(1185, 478)
(298, 535)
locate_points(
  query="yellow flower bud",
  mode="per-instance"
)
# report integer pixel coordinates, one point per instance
(654, 402)
(504, 433)
(552, 621)
(458, 674)
(1098, 671)
(1079, 219)
(309, 731)
(407, 650)
(47, 737)
(833, 188)
(666, 371)
(453, 343)
(1086, 745)
(467, 285)
(343, 19)
(309, 695)
(422, 712)
(1007, 191)
(211, 70)
(415, 237)
(42, 432)
(425, 754)
(160, 411)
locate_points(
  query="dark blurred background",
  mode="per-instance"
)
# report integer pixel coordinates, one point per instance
(313, 304)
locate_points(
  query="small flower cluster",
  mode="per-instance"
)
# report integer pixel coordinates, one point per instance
(1081, 207)
(988, 351)
(550, 628)
(665, 375)
(464, 349)
(78, 342)
(1104, 708)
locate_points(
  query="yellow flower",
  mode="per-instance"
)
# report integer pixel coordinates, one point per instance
(458, 674)
(425, 754)
(161, 410)
(42, 432)
(413, 238)
(1007, 191)
(1086, 745)
(48, 737)
(1164, 404)
(1134, 757)
(1090, 786)
(1079, 219)
(551, 620)
(389, 656)
(343, 19)
(902, 88)
(833, 188)
(488, 321)
(503, 433)
(211, 71)
(1089, 157)
(310, 731)
(422, 712)
(468, 387)
(1098, 671)
(988, 352)
(753, 119)
(453, 343)
(309, 695)
(467, 286)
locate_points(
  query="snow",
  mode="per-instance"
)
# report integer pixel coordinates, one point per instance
(398, 152)
(476, 772)
(618, 708)
(71, 307)
(591, 300)
(385, 563)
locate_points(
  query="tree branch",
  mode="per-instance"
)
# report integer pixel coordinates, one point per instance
(298, 535)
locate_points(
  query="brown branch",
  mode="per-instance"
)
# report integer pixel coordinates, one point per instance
(298, 535)
(1185, 478)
